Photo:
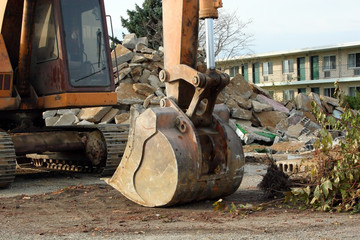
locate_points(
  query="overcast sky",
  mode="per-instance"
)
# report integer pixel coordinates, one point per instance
(281, 24)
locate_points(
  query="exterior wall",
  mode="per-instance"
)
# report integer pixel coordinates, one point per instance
(278, 82)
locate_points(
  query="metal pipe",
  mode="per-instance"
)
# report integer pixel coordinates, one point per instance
(210, 52)
(26, 40)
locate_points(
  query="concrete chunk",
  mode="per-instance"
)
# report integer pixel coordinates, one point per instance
(144, 89)
(93, 114)
(109, 117)
(127, 95)
(130, 41)
(67, 119)
(49, 113)
(260, 107)
(50, 121)
(122, 118)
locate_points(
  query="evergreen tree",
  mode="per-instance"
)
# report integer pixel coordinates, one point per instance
(146, 21)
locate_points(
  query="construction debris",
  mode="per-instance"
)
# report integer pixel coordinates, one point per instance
(255, 116)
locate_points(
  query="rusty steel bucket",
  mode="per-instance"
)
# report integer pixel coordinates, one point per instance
(168, 161)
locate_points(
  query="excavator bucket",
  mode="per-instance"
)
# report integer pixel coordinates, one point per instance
(168, 161)
(184, 150)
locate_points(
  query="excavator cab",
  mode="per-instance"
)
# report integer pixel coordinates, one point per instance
(62, 53)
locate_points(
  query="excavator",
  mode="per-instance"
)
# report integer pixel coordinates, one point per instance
(54, 54)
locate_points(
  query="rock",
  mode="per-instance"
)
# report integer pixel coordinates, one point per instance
(329, 100)
(155, 82)
(127, 95)
(136, 73)
(49, 113)
(277, 106)
(316, 98)
(143, 49)
(242, 102)
(143, 41)
(124, 72)
(282, 126)
(130, 41)
(328, 108)
(303, 102)
(84, 123)
(122, 118)
(109, 117)
(122, 55)
(94, 114)
(239, 113)
(295, 131)
(74, 111)
(67, 119)
(260, 107)
(144, 89)
(258, 90)
(159, 93)
(294, 118)
(270, 119)
(238, 86)
(50, 121)
(145, 76)
(154, 57)
(290, 106)
(138, 59)
(120, 67)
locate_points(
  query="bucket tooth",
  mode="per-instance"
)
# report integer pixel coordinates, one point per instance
(168, 161)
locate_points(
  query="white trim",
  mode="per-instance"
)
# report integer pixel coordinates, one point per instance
(309, 82)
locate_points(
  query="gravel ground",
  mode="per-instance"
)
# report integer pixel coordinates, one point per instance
(79, 206)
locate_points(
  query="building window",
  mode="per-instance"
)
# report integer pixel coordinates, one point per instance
(354, 60)
(329, 92)
(267, 68)
(288, 66)
(245, 71)
(271, 93)
(234, 70)
(288, 95)
(302, 90)
(316, 90)
(353, 91)
(329, 63)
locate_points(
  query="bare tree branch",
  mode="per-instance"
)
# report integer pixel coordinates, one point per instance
(229, 35)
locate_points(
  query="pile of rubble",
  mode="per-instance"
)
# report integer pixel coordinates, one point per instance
(258, 118)
(255, 116)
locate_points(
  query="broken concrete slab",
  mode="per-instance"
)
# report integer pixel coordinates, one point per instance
(127, 95)
(50, 121)
(329, 100)
(238, 86)
(239, 113)
(303, 102)
(260, 107)
(94, 114)
(130, 41)
(49, 113)
(258, 90)
(144, 89)
(138, 58)
(110, 116)
(276, 105)
(122, 118)
(84, 123)
(67, 119)
(270, 119)
(245, 104)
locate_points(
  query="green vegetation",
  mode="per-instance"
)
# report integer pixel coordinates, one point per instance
(146, 21)
(335, 181)
(354, 102)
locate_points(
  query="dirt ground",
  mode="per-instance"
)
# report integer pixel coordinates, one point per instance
(66, 206)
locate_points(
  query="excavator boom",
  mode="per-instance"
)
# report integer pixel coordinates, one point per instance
(185, 150)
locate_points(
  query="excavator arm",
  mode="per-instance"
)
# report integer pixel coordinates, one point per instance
(185, 150)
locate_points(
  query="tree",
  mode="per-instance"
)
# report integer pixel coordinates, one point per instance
(146, 21)
(229, 35)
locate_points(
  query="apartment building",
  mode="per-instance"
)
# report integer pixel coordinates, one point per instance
(286, 73)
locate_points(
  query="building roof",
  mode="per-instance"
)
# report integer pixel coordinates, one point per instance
(290, 52)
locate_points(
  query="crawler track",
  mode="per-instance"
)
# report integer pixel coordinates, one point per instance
(7, 160)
